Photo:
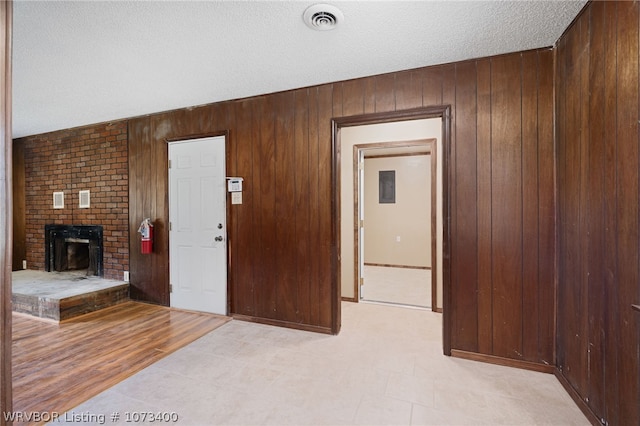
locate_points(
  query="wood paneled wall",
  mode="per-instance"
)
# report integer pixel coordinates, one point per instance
(502, 206)
(281, 238)
(598, 246)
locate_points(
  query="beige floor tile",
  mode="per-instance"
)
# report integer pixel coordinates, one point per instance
(385, 367)
(404, 286)
(415, 388)
(381, 410)
(421, 415)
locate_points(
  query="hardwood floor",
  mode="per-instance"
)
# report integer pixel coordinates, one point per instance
(58, 366)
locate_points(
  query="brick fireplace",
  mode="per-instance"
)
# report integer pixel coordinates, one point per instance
(73, 247)
(90, 159)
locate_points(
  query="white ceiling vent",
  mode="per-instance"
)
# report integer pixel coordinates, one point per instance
(322, 17)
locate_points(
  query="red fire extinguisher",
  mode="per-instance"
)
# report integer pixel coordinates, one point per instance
(146, 231)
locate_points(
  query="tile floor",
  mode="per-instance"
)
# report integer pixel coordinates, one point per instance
(385, 367)
(404, 286)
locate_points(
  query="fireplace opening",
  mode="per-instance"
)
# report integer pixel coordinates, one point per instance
(74, 248)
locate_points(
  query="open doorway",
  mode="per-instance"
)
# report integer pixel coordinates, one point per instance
(438, 118)
(395, 228)
(375, 134)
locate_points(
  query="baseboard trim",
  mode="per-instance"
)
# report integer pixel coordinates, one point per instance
(387, 265)
(590, 415)
(349, 299)
(437, 310)
(280, 323)
(507, 362)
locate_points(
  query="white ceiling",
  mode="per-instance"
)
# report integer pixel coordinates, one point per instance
(78, 63)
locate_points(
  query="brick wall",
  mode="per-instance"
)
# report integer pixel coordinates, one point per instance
(91, 158)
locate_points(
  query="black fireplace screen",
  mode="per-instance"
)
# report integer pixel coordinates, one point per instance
(73, 247)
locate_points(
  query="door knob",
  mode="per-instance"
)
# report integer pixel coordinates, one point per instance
(219, 238)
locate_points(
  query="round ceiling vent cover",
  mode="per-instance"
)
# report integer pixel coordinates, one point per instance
(322, 17)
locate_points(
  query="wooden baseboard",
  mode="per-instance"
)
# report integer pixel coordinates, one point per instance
(576, 398)
(350, 299)
(507, 362)
(437, 310)
(279, 323)
(386, 265)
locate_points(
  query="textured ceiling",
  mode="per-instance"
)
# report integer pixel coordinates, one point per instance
(77, 63)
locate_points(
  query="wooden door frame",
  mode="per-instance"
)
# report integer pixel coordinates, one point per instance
(438, 111)
(428, 147)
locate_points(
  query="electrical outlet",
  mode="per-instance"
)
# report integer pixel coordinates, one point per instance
(24, 264)
(126, 276)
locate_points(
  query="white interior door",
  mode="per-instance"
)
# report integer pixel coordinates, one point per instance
(197, 232)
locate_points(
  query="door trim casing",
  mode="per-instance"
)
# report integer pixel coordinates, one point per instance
(437, 111)
(429, 147)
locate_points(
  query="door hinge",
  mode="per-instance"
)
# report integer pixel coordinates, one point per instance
(361, 281)
(169, 163)
(169, 226)
(170, 288)
(361, 223)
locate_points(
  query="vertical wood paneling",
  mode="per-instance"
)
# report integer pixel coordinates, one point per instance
(231, 169)
(369, 98)
(314, 236)
(447, 93)
(485, 282)
(266, 292)
(583, 262)
(569, 216)
(253, 194)
(506, 159)
(530, 212)
(595, 195)
(408, 90)
(598, 172)
(158, 210)
(219, 119)
(302, 205)
(352, 98)
(241, 235)
(148, 273)
(464, 211)
(325, 298)
(560, 71)
(612, 374)
(432, 86)
(546, 212)
(627, 207)
(385, 98)
(287, 290)
(337, 99)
